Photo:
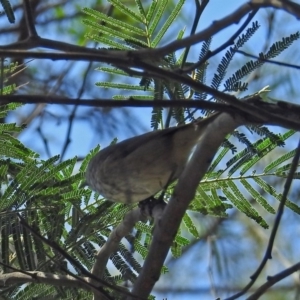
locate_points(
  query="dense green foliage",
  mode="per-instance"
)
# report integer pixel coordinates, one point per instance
(49, 195)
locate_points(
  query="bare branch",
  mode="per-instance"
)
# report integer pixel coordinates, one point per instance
(112, 244)
(270, 61)
(271, 280)
(184, 193)
(277, 113)
(55, 99)
(41, 277)
(29, 20)
(286, 5)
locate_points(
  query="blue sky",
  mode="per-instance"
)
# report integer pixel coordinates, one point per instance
(84, 138)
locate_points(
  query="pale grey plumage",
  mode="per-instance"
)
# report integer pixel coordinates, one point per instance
(139, 167)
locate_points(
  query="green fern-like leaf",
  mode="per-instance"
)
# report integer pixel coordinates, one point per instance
(264, 131)
(257, 196)
(168, 23)
(279, 161)
(4, 109)
(280, 46)
(99, 16)
(227, 58)
(236, 197)
(155, 14)
(124, 9)
(246, 36)
(278, 196)
(8, 11)
(190, 225)
(156, 116)
(275, 50)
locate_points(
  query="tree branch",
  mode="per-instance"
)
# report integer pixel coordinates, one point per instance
(270, 61)
(112, 244)
(278, 113)
(29, 19)
(184, 192)
(271, 280)
(217, 26)
(41, 277)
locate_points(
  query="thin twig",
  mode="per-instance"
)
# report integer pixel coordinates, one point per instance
(19, 277)
(269, 113)
(56, 99)
(199, 10)
(270, 61)
(17, 270)
(29, 20)
(271, 280)
(73, 113)
(45, 141)
(114, 239)
(228, 43)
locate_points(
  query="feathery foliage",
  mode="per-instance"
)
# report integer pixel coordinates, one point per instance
(8, 10)
(48, 194)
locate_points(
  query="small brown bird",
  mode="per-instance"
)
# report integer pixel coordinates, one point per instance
(138, 168)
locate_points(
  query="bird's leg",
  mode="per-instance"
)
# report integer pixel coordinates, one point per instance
(150, 202)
